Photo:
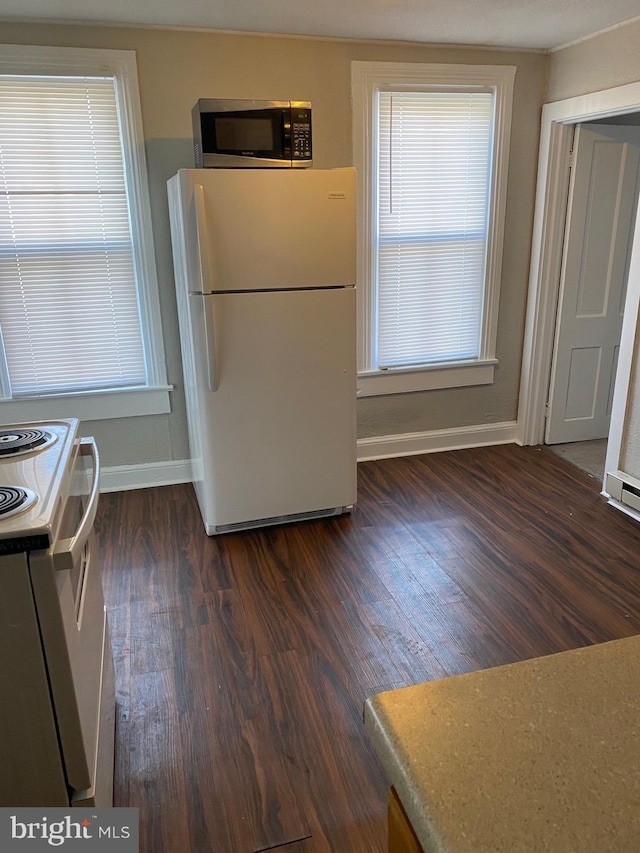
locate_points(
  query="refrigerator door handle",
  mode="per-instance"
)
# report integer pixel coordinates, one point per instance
(210, 336)
(204, 256)
(206, 285)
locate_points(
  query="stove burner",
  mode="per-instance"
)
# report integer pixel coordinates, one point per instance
(14, 441)
(14, 499)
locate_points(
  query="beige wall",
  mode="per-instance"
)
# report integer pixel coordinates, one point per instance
(177, 67)
(601, 62)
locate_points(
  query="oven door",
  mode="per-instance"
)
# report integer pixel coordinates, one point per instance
(69, 599)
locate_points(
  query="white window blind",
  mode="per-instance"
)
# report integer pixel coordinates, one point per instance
(69, 312)
(434, 179)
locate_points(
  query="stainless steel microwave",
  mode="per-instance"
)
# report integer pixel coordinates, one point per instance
(252, 134)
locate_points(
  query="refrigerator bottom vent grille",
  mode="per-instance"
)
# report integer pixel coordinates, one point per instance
(281, 519)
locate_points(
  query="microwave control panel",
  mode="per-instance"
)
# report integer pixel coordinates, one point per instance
(300, 134)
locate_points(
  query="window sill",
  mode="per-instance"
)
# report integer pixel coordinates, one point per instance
(89, 406)
(402, 381)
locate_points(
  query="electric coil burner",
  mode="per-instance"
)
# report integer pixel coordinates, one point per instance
(15, 499)
(16, 441)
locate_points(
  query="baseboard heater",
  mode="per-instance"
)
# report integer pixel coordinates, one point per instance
(623, 488)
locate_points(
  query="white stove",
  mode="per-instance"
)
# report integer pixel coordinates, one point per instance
(34, 474)
(57, 704)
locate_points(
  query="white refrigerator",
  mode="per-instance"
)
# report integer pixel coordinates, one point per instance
(265, 279)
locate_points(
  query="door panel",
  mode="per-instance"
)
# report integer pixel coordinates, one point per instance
(584, 368)
(600, 218)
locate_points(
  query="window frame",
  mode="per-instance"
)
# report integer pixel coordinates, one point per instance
(113, 403)
(367, 79)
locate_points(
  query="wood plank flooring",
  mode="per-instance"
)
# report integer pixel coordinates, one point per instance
(242, 661)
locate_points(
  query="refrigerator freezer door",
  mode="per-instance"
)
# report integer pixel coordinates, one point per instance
(279, 434)
(269, 229)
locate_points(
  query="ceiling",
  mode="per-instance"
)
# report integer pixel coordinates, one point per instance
(505, 23)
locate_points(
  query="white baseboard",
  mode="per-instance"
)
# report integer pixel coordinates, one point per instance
(410, 444)
(119, 478)
(123, 477)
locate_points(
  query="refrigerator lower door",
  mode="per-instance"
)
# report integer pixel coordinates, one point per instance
(278, 435)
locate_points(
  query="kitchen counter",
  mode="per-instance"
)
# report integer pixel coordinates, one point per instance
(541, 755)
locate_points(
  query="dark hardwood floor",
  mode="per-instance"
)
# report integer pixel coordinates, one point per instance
(243, 661)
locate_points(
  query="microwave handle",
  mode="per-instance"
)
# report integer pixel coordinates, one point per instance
(67, 552)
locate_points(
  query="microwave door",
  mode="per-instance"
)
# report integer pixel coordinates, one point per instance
(252, 134)
(252, 138)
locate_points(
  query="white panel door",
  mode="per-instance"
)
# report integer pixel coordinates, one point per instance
(600, 218)
(279, 431)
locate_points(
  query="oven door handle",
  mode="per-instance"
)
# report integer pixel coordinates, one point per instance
(67, 552)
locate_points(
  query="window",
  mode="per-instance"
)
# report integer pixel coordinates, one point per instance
(79, 317)
(431, 147)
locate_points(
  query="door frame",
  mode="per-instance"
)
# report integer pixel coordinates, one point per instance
(552, 192)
